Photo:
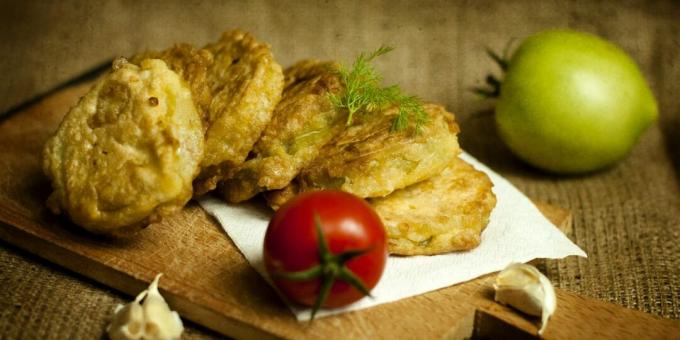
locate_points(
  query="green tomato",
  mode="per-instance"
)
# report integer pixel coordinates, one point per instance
(571, 102)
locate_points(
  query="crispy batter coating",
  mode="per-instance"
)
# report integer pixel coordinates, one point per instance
(246, 83)
(192, 65)
(276, 198)
(127, 153)
(303, 122)
(441, 214)
(369, 160)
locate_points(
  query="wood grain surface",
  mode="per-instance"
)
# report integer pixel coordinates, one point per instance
(208, 281)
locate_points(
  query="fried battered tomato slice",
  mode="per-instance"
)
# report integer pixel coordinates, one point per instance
(127, 153)
(190, 63)
(302, 123)
(370, 160)
(277, 198)
(246, 83)
(442, 214)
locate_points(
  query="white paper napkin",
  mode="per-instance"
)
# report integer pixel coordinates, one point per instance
(517, 232)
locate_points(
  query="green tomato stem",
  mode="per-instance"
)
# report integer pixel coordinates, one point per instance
(331, 268)
(493, 89)
(349, 277)
(303, 275)
(501, 61)
(493, 84)
(326, 284)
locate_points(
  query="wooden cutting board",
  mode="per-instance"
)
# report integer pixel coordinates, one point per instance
(209, 282)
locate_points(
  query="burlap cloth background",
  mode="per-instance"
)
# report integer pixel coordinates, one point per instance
(627, 218)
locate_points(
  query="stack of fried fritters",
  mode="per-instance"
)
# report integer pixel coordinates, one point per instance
(164, 126)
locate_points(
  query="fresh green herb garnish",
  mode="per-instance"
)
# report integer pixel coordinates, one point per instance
(364, 93)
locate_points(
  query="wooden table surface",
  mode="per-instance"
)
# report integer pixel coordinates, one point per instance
(625, 217)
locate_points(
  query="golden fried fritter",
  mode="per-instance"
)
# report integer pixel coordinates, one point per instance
(246, 83)
(127, 153)
(369, 160)
(302, 123)
(276, 198)
(192, 65)
(442, 214)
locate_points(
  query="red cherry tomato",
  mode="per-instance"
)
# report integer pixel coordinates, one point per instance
(347, 227)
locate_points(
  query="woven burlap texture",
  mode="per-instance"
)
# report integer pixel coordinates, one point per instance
(627, 218)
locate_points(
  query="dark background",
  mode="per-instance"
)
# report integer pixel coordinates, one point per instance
(627, 218)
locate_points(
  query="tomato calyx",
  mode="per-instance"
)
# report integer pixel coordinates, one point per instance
(331, 267)
(493, 84)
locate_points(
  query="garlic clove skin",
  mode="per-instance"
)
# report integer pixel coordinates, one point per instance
(525, 288)
(161, 322)
(149, 320)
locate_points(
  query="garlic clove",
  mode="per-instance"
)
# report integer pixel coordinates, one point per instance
(149, 320)
(160, 321)
(128, 320)
(525, 288)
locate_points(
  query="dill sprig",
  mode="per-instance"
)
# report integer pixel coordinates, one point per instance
(363, 92)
